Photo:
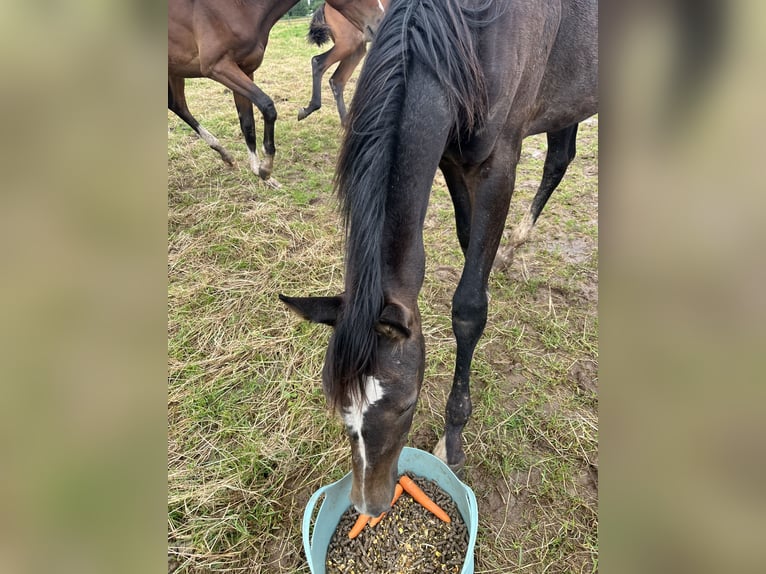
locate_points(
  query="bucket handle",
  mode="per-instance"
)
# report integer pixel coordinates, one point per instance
(307, 523)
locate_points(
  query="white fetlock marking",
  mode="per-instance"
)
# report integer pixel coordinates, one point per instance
(209, 138)
(522, 231)
(440, 450)
(254, 161)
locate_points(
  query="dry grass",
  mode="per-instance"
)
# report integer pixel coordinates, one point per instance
(249, 436)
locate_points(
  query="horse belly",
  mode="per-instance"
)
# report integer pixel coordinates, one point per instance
(568, 91)
(184, 68)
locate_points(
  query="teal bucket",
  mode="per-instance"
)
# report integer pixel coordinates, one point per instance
(336, 501)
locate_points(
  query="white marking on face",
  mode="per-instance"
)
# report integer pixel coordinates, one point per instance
(380, 5)
(354, 418)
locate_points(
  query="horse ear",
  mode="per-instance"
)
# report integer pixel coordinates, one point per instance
(394, 322)
(315, 309)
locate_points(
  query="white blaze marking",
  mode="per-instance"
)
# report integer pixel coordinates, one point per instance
(380, 5)
(354, 418)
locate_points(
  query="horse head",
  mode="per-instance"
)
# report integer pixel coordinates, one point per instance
(378, 411)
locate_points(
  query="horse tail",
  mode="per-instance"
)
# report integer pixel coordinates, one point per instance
(439, 35)
(319, 32)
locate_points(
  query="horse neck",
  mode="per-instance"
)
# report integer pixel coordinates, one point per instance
(402, 252)
(404, 108)
(269, 13)
(282, 6)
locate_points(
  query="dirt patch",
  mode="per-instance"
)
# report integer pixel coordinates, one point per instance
(505, 502)
(584, 373)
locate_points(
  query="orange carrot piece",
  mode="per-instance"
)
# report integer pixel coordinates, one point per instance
(374, 521)
(398, 490)
(359, 525)
(421, 497)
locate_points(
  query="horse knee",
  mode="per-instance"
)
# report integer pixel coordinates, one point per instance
(469, 315)
(459, 407)
(317, 63)
(269, 113)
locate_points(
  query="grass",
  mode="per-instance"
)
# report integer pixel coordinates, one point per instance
(249, 435)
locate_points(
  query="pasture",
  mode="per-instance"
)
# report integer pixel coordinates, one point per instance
(249, 435)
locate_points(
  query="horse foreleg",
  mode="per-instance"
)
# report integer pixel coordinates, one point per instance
(470, 302)
(177, 105)
(561, 152)
(230, 75)
(247, 125)
(456, 184)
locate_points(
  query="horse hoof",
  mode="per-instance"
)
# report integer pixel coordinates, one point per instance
(302, 114)
(440, 452)
(228, 160)
(272, 183)
(266, 166)
(503, 259)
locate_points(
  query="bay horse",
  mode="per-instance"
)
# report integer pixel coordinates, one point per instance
(226, 41)
(349, 47)
(455, 85)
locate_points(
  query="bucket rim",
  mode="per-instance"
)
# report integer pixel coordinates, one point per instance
(333, 488)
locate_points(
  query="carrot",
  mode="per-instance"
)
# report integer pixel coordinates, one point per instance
(398, 490)
(359, 525)
(421, 497)
(377, 519)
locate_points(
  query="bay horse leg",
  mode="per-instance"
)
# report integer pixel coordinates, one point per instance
(319, 65)
(342, 74)
(226, 72)
(561, 151)
(177, 105)
(492, 184)
(247, 125)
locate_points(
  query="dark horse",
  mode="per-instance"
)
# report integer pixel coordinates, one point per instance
(349, 47)
(447, 84)
(226, 41)
(561, 151)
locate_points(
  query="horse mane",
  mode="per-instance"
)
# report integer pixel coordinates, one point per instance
(319, 32)
(437, 33)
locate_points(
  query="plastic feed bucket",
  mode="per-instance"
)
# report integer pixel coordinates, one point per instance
(316, 537)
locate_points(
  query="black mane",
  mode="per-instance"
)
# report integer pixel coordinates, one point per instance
(439, 34)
